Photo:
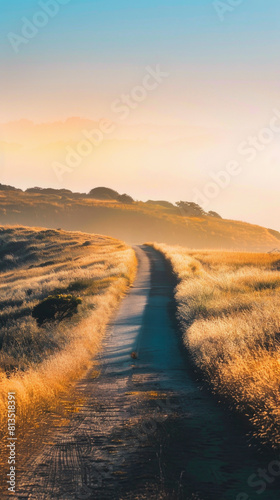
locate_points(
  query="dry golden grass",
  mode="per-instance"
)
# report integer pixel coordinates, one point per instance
(229, 308)
(39, 363)
(134, 222)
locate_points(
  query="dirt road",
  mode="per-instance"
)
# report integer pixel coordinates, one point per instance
(146, 429)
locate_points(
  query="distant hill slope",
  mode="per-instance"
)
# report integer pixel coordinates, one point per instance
(134, 223)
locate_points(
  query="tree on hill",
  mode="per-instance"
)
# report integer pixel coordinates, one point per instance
(35, 189)
(162, 203)
(5, 187)
(125, 198)
(190, 209)
(103, 193)
(39, 190)
(214, 214)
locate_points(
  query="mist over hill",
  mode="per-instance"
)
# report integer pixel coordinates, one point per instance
(105, 211)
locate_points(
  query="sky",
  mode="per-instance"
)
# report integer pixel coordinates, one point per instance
(182, 87)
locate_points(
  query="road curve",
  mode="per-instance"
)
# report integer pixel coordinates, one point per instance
(145, 429)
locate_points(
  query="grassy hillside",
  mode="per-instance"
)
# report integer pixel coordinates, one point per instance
(229, 308)
(41, 355)
(134, 223)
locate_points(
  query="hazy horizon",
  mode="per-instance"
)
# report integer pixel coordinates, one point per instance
(189, 90)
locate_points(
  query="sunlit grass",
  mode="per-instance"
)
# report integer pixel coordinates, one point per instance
(229, 308)
(40, 362)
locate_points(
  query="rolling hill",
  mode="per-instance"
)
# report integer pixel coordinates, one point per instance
(133, 222)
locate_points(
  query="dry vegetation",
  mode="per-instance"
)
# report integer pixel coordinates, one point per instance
(229, 308)
(133, 222)
(39, 362)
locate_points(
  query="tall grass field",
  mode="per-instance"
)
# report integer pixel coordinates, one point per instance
(84, 276)
(229, 309)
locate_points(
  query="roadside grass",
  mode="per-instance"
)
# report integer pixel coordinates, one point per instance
(40, 362)
(229, 307)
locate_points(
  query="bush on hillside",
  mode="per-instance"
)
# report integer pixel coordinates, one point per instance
(162, 203)
(56, 308)
(126, 199)
(214, 214)
(103, 193)
(6, 187)
(190, 209)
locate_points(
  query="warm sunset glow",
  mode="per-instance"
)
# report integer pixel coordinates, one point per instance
(171, 134)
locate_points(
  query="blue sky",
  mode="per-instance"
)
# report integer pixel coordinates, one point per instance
(151, 26)
(97, 47)
(223, 86)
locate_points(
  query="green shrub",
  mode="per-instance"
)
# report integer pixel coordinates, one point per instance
(56, 308)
